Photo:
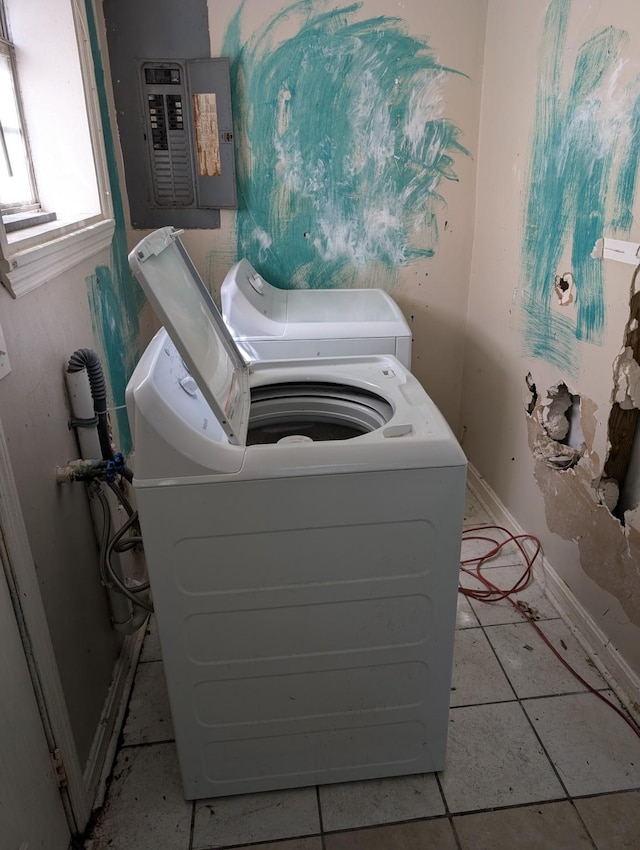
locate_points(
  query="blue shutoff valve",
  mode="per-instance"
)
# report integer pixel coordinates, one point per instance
(114, 467)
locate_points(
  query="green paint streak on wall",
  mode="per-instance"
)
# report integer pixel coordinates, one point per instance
(342, 145)
(629, 165)
(115, 299)
(584, 163)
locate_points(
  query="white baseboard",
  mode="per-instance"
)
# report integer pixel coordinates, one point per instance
(105, 741)
(618, 674)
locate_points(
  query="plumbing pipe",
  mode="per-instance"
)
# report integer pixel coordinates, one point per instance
(85, 358)
(79, 470)
(125, 619)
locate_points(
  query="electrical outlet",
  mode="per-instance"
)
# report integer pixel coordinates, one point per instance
(5, 366)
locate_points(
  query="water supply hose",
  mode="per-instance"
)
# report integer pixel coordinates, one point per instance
(99, 467)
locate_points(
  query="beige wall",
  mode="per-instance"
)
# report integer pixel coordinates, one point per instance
(467, 313)
(42, 329)
(432, 292)
(597, 557)
(93, 306)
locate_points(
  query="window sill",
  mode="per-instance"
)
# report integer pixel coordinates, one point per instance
(22, 220)
(30, 265)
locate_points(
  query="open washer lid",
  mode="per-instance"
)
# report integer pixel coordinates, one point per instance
(192, 320)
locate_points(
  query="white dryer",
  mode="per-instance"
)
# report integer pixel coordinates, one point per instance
(302, 524)
(268, 323)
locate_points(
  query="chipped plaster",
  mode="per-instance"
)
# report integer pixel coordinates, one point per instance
(560, 443)
(609, 552)
(626, 372)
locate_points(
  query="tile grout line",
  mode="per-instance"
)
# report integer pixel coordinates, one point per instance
(456, 838)
(193, 825)
(583, 822)
(480, 602)
(524, 620)
(269, 842)
(616, 792)
(447, 811)
(517, 700)
(320, 819)
(524, 699)
(372, 826)
(530, 722)
(502, 667)
(544, 749)
(548, 651)
(452, 816)
(129, 746)
(485, 810)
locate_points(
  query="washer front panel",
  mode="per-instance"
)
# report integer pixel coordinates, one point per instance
(306, 624)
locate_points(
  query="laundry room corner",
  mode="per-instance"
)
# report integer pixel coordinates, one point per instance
(549, 418)
(344, 552)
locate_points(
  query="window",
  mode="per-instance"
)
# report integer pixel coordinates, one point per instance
(16, 179)
(54, 195)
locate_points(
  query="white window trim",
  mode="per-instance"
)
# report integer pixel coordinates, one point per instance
(32, 267)
(29, 260)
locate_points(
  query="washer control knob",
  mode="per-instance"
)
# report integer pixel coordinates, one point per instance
(257, 283)
(397, 430)
(189, 385)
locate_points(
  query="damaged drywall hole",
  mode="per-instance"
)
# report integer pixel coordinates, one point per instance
(531, 394)
(630, 490)
(622, 464)
(562, 444)
(564, 286)
(626, 372)
(607, 491)
(561, 416)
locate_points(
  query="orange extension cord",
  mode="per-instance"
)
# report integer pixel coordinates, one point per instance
(492, 593)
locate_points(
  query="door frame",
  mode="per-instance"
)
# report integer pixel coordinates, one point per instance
(23, 585)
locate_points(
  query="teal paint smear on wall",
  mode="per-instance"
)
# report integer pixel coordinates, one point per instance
(629, 167)
(115, 299)
(341, 145)
(584, 162)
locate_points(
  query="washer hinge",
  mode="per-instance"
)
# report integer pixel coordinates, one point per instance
(59, 769)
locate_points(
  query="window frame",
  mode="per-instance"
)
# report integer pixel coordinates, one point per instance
(7, 48)
(33, 256)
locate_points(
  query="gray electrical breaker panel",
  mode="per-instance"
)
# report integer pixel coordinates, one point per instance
(181, 141)
(168, 134)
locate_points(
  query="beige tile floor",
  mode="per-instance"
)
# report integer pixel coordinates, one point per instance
(535, 761)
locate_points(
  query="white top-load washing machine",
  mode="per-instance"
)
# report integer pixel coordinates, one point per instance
(268, 323)
(302, 524)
